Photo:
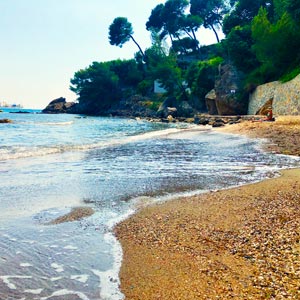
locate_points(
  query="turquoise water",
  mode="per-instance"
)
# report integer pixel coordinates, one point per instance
(51, 163)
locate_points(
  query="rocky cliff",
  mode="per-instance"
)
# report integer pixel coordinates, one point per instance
(286, 97)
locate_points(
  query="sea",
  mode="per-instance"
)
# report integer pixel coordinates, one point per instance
(50, 164)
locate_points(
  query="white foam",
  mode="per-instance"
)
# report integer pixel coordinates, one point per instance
(10, 285)
(80, 278)
(55, 278)
(25, 265)
(56, 123)
(70, 247)
(109, 280)
(25, 152)
(58, 268)
(66, 292)
(34, 292)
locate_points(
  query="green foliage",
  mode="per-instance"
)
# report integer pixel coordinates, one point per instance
(101, 84)
(145, 87)
(262, 41)
(163, 67)
(211, 12)
(153, 105)
(293, 8)
(243, 13)
(127, 71)
(263, 38)
(290, 75)
(238, 46)
(201, 76)
(96, 86)
(184, 46)
(275, 44)
(120, 31)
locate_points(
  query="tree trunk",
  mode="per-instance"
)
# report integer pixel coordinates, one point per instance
(216, 34)
(195, 38)
(143, 54)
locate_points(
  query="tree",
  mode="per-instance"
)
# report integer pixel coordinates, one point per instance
(275, 44)
(211, 11)
(162, 66)
(200, 77)
(190, 24)
(97, 88)
(293, 8)
(120, 32)
(165, 18)
(170, 19)
(185, 46)
(243, 13)
(238, 45)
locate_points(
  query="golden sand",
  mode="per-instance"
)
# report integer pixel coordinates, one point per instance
(241, 243)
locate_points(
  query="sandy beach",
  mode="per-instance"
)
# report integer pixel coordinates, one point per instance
(241, 243)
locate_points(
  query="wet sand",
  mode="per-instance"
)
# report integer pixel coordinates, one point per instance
(241, 243)
(76, 214)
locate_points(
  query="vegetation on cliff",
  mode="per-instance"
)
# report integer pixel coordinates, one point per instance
(262, 38)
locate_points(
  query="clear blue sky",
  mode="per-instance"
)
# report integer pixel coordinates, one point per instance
(44, 42)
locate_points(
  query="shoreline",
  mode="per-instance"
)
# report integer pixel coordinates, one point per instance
(211, 246)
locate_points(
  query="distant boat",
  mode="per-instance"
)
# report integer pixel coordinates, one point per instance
(7, 105)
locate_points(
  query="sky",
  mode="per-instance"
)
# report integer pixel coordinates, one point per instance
(44, 42)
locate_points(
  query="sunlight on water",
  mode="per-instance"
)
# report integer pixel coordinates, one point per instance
(51, 163)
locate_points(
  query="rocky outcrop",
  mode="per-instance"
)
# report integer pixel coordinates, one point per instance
(227, 88)
(210, 99)
(59, 106)
(134, 106)
(175, 108)
(286, 97)
(167, 108)
(5, 121)
(184, 109)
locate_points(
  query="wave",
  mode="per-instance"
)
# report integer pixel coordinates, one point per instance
(17, 152)
(56, 123)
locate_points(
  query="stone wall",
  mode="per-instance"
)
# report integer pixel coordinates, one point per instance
(286, 97)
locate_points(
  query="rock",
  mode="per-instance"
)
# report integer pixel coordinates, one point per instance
(5, 121)
(59, 106)
(170, 118)
(218, 124)
(167, 108)
(199, 120)
(210, 99)
(19, 112)
(133, 106)
(184, 109)
(227, 88)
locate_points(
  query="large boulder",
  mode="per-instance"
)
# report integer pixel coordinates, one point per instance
(210, 99)
(228, 88)
(167, 108)
(5, 121)
(172, 107)
(59, 106)
(184, 109)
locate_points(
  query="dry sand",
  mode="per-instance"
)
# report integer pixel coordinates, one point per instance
(241, 243)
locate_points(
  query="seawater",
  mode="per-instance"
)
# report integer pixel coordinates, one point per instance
(51, 163)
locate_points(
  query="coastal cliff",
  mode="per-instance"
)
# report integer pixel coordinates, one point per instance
(286, 97)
